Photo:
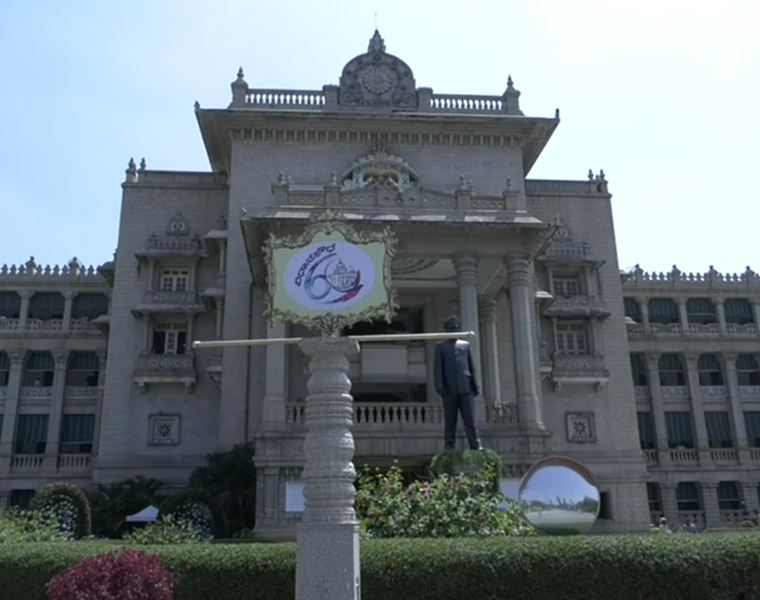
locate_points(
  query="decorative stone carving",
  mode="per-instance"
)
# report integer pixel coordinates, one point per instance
(163, 430)
(377, 79)
(580, 427)
(178, 225)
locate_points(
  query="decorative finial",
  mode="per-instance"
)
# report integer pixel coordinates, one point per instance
(240, 74)
(461, 180)
(590, 175)
(376, 44)
(333, 178)
(131, 165)
(281, 178)
(197, 105)
(510, 83)
(556, 113)
(143, 164)
(601, 175)
(509, 183)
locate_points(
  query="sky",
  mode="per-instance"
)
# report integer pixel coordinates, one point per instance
(661, 94)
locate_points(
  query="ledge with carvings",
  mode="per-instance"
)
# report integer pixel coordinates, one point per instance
(160, 301)
(165, 368)
(577, 307)
(579, 369)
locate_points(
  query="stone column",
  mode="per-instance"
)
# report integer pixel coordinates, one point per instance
(68, 305)
(23, 316)
(701, 443)
(756, 313)
(737, 416)
(526, 367)
(467, 281)
(720, 309)
(750, 497)
(11, 409)
(490, 347)
(99, 403)
(327, 555)
(56, 410)
(276, 384)
(683, 314)
(644, 305)
(669, 502)
(710, 503)
(658, 411)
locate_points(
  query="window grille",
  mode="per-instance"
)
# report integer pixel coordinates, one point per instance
(710, 372)
(31, 434)
(84, 370)
(671, 370)
(10, 305)
(77, 434)
(752, 423)
(679, 430)
(46, 306)
(739, 311)
(663, 310)
(728, 496)
(646, 430)
(747, 371)
(632, 309)
(687, 496)
(89, 306)
(571, 338)
(718, 429)
(639, 370)
(39, 370)
(700, 310)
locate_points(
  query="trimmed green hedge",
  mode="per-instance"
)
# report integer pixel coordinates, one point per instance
(674, 567)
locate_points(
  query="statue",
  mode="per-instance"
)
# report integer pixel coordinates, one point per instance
(456, 383)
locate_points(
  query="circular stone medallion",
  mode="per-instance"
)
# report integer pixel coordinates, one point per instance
(377, 80)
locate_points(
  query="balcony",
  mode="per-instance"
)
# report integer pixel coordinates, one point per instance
(83, 325)
(7, 324)
(36, 393)
(83, 393)
(746, 329)
(684, 457)
(160, 301)
(666, 328)
(579, 369)
(723, 455)
(749, 392)
(27, 463)
(704, 329)
(577, 307)
(44, 324)
(714, 392)
(165, 368)
(675, 392)
(74, 463)
(650, 457)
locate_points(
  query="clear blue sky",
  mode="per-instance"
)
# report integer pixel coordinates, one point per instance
(661, 94)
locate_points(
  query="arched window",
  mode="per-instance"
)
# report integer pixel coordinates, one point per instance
(39, 369)
(700, 310)
(728, 496)
(46, 306)
(89, 306)
(5, 368)
(687, 496)
(84, 369)
(747, 371)
(10, 305)
(738, 311)
(632, 309)
(671, 371)
(663, 310)
(710, 372)
(639, 369)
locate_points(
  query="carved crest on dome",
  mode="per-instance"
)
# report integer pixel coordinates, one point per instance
(380, 169)
(377, 79)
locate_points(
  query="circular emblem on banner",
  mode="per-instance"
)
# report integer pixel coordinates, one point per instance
(329, 275)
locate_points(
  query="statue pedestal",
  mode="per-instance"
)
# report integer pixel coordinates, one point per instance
(327, 562)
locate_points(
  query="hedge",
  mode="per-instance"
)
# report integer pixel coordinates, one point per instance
(665, 567)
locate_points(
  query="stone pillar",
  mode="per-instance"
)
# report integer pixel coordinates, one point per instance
(327, 555)
(526, 367)
(68, 305)
(755, 312)
(11, 409)
(23, 316)
(490, 347)
(56, 409)
(99, 403)
(701, 443)
(737, 416)
(710, 503)
(276, 384)
(467, 281)
(669, 502)
(683, 315)
(658, 411)
(644, 305)
(750, 496)
(720, 309)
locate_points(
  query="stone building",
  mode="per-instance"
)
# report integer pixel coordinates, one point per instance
(529, 264)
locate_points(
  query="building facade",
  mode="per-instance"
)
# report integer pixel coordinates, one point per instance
(100, 395)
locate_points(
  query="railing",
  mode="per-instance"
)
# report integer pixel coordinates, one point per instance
(44, 325)
(733, 517)
(559, 250)
(27, 462)
(723, 455)
(184, 297)
(754, 454)
(696, 517)
(749, 392)
(650, 456)
(28, 392)
(641, 392)
(684, 456)
(83, 392)
(507, 412)
(464, 103)
(666, 328)
(543, 187)
(702, 329)
(714, 392)
(284, 98)
(165, 362)
(74, 462)
(8, 324)
(675, 392)
(639, 277)
(31, 269)
(636, 328)
(83, 325)
(387, 415)
(747, 328)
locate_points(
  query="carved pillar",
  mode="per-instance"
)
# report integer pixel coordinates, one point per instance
(644, 305)
(720, 309)
(219, 316)
(327, 555)
(740, 432)
(23, 316)
(658, 410)
(490, 347)
(750, 496)
(701, 443)
(467, 281)
(56, 409)
(669, 502)
(710, 503)
(11, 408)
(526, 367)
(68, 305)
(276, 384)
(683, 314)
(99, 402)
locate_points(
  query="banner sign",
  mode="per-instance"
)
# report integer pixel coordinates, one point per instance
(331, 276)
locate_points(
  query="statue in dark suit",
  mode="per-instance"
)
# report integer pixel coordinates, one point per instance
(456, 383)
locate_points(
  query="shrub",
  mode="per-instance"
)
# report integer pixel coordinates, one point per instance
(113, 503)
(68, 504)
(168, 529)
(485, 464)
(195, 506)
(29, 526)
(114, 576)
(462, 505)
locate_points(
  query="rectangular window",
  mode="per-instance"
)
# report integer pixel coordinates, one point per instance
(566, 286)
(728, 496)
(169, 338)
(77, 433)
(646, 430)
(31, 435)
(571, 338)
(687, 496)
(21, 498)
(653, 495)
(678, 426)
(174, 280)
(718, 429)
(752, 422)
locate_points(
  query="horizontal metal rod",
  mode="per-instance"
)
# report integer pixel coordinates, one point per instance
(392, 337)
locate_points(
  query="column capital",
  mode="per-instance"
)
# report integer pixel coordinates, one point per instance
(680, 300)
(691, 358)
(730, 358)
(653, 359)
(16, 356)
(518, 267)
(466, 264)
(719, 300)
(68, 294)
(25, 293)
(487, 310)
(61, 357)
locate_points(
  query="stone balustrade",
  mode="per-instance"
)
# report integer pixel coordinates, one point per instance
(74, 462)
(463, 103)
(170, 297)
(714, 392)
(7, 324)
(504, 413)
(26, 463)
(31, 270)
(36, 392)
(675, 392)
(641, 392)
(44, 324)
(543, 187)
(704, 329)
(274, 98)
(637, 277)
(666, 328)
(749, 392)
(83, 393)
(650, 456)
(746, 329)
(684, 457)
(723, 455)
(754, 454)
